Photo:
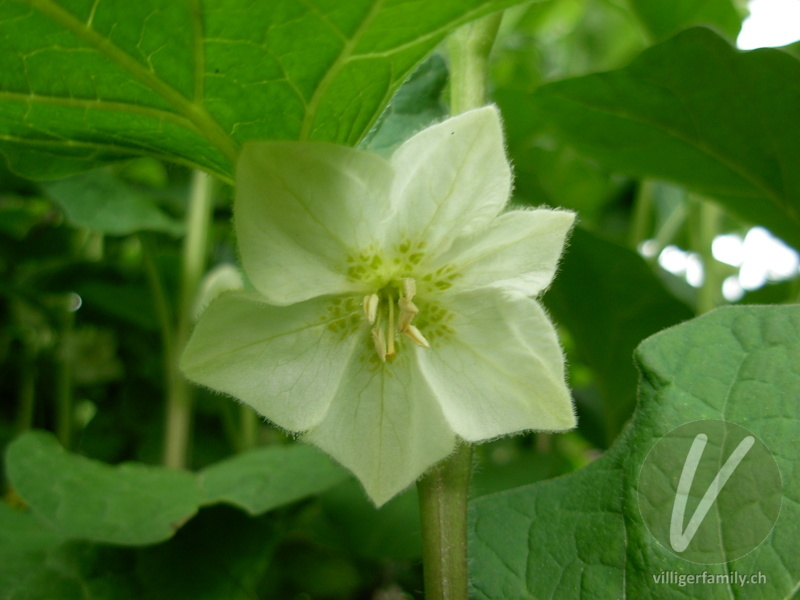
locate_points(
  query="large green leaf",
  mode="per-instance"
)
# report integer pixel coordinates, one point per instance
(221, 554)
(100, 201)
(137, 504)
(662, 19)
(85, 82)
(416, 105)
(85, 499)
(583, 535)
(546, 169)
(695, 111)
(610, 300)
(266, 478)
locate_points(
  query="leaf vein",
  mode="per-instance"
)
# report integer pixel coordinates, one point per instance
(195, 113)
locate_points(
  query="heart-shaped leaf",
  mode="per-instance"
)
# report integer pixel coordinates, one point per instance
(584, 535)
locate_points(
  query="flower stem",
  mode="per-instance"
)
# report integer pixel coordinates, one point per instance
(444, 490)
(443, 495)
(469, 48)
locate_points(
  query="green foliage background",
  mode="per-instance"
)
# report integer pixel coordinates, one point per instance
(640, 115)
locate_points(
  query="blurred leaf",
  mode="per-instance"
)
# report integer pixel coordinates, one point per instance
(126, 301)
(610, 300)
(582, 535)
(391, 531)
(24, 544)
(662, 19)
(100, 201)
(416, 105)
(783, 292)
(84, 83)
(793, 49)
(221, 554)
(269, 477)
(18, 216)
(548, 171)
(137, 504)
(695, 111)
(508, 463)
(21, 531)
(86, 499)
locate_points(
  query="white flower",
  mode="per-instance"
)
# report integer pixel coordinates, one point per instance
(393, 311)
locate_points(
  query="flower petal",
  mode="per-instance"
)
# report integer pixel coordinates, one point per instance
(519, 252)
(384, 425)
(451, 179)
(500, 369)
(301, 209)
(285, 362)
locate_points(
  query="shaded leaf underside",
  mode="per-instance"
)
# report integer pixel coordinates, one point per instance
(695, 111)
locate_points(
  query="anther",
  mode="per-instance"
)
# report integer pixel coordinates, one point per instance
(409, 287)
(415, 335)
(390, 351)
(380, 343)
(408, 311)
(371, 308)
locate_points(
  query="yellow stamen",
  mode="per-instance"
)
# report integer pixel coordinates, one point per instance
(415, 335)
(383, 319)
(380, 343)
(409, 287)
(371, 307)
(407, 312)
(390, 351)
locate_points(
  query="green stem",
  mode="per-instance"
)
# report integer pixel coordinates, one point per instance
(470, 47)
(160, 300)
(178, 421)
(670, 228)
(642, 214)
(26, 398)
(443, 495)
(707, 227)
(64, 379)
(249, 421)
(444, 490)
(165, 324)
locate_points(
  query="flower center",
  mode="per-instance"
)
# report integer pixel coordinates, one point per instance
(391, 311)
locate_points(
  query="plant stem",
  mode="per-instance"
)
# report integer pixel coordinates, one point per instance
(177, 429)
(707, 223)
(159, 294)
(443, 495)
(642, 214)
(64, 365)
(249, 423)
(444, 490)
(26, 395)
(469, 48)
